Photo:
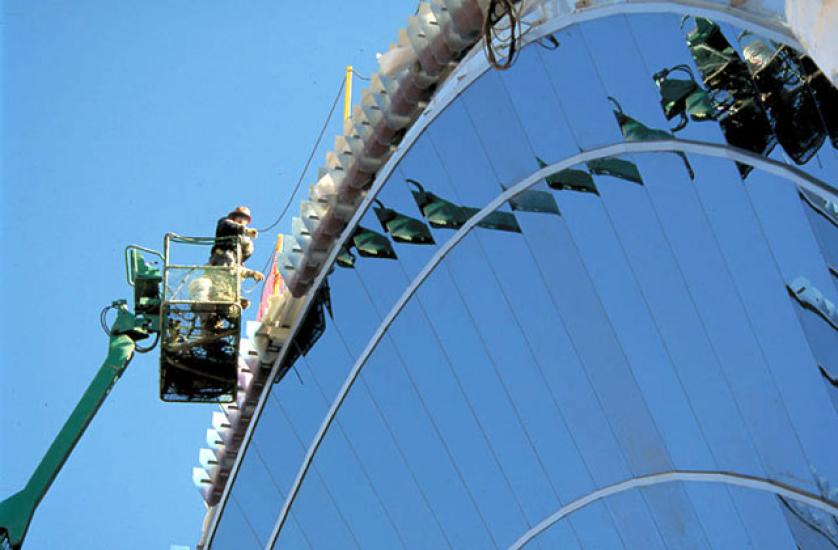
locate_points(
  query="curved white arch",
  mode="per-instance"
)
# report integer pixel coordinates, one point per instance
(728, 478)
(795, 175)
(472, 67)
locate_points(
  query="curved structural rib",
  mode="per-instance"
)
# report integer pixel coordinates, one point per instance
(728, 478)
(795, 175)
(470, 69)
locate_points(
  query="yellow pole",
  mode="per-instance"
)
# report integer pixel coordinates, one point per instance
(347, 98)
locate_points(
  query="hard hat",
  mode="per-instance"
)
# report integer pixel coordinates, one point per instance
(241, 211)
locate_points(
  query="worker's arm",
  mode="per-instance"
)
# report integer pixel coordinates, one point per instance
(228, 228)
(251, 274)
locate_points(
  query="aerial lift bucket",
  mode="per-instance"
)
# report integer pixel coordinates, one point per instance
(200, 325)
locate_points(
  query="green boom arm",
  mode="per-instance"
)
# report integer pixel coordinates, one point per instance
(16, 511)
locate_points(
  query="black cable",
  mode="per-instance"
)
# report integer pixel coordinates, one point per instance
(498, 10)
(308, 161)
(141, 349)
(103, 319)
(298, 184)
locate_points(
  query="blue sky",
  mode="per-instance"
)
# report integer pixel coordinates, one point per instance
(122, 121)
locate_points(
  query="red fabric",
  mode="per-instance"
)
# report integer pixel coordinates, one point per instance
(274, 285)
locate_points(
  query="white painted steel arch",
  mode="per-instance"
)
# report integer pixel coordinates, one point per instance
(727, 478)
(470, 69)
(791, 173)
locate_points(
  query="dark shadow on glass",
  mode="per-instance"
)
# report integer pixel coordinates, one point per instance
(616, 168)
(742, 117)
(570, 179)
(402, 228)
(441, 213)
(311, 329)
(634, 130)
(371, 244)
(789, 101)
(683, 98)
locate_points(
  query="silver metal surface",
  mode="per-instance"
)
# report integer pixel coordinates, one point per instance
(791, 173)
(727, 478)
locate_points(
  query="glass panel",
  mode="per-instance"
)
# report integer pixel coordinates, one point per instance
(454, 138)
(823, 218)
(499, 129)
(234, 532)
(403, 499)
(811, 528)
(416, 427)
(534, 429)
(396, 196)
(445, 394)
(575, 80)
(615, 320)
(612, 261)
(760, 289)
(662, 48)
(821, 335)
(537, 107)
(785, 530)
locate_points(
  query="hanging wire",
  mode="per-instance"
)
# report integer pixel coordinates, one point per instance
(103, 319)
(293, 194)
(308, 161)
(103, 322)
(145, 349)
(496, 45)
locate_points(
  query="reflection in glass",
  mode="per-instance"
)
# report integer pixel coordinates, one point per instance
(534, 200)
(439, 212)
(813, 299)
(684, 98)
(825, 94)
(311, 328)
(744, 122)
(371, 244)
(787, 98)
(402, 228)
(445, 214)
(823, 219)
(616, 168)
(634, 130)
(632, 328)
(813, 529)
(570, 179)
(345, 258)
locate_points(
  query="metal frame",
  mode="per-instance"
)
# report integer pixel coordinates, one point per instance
(794, 174)
(470, 68)
(129, 269)
(167, 302)
(727, 478)
(203, 241)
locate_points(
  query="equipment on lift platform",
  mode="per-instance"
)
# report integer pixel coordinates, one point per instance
(200, 320)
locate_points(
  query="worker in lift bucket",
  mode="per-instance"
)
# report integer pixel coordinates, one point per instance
(224, 252)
